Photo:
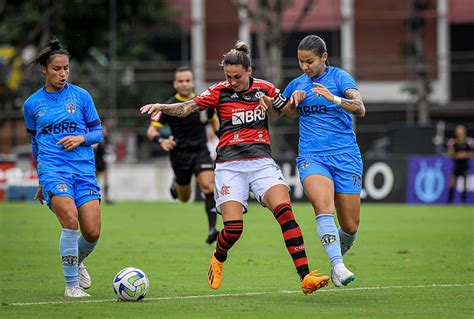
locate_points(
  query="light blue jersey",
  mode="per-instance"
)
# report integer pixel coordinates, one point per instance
(327, 143)
(51, 116)
(325, 128)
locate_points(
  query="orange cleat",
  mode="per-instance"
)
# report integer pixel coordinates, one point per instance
(312, 282)
(214, 275)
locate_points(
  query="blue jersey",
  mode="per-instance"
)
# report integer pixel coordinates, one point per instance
(51, 116)
(325, 128)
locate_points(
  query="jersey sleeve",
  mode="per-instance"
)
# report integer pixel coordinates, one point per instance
(345, 81)
(289, 90)
(30, 123)
(29, 115)
(208, 99)
(91, 116)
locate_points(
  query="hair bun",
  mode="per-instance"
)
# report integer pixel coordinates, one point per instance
(242, 46)
(55, 45)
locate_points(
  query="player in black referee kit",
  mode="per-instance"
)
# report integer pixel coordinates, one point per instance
(188, 148)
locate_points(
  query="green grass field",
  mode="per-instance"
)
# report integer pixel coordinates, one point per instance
(410, 262)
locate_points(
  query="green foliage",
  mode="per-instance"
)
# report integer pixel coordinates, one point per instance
(400, 253)
(82, 24)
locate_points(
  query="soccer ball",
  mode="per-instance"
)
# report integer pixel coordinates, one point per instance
(131, 284)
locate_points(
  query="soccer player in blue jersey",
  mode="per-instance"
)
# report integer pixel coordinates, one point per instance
(64, 124)
(329, 160)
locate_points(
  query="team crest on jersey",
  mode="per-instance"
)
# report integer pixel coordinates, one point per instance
(41, 113)
(259, 94)
(71, 108)
(61, 187)
(304, 165)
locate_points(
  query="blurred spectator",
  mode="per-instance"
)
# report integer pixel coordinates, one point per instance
(460, 148)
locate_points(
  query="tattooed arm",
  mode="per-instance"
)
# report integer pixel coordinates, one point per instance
(182, 109)
(352, 102)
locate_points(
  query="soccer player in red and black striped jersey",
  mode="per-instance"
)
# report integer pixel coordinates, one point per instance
(188, 150)
(244, 161)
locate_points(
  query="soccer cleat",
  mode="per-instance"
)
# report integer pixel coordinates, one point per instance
(341, 276)
(313, 282)
(214, 275)
(84, 278)
(173, 190)
(75, 292)
(212, 236)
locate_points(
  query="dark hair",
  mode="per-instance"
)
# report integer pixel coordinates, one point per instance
(54, 47)
(314, 44)
(183, 68)
(240, 54)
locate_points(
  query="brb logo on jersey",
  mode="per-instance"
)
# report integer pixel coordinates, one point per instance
(63, 127)
(239, 118)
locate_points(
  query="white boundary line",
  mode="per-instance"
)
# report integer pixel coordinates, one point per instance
(243, 294)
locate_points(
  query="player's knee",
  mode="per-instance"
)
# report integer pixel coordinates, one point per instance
(184, 197)
(69, 221)
(351, 228)
(92, 235)
(323, 208)
(208, 188)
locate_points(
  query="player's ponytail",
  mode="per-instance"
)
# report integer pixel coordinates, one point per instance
(314, 44)
(44, 56)
(240, 54)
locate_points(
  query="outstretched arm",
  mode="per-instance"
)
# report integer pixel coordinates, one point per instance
(182, 109)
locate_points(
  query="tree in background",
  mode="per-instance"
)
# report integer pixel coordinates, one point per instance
(413, 52)
(267, 16)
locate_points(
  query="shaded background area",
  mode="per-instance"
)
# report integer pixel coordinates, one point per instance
(413, 61)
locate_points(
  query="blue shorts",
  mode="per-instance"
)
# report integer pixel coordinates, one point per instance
(80, 188)
(345, 170)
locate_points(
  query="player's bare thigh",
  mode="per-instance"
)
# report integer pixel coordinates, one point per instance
(205, 180)
(66, 211)
(320, 192)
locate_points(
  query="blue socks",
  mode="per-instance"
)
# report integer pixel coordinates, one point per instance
(85, 248)
(347, 240)
(329, 237)
(69, 255)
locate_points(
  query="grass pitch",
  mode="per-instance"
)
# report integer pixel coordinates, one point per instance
(409, 261)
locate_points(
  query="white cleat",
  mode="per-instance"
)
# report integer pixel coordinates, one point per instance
(85, 281)
(75, 292)
(341, 276)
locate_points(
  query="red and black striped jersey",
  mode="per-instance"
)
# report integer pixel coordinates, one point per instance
(243, 131)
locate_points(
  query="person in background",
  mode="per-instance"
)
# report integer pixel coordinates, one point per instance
(244, 162)
(101, 165)
(63, 123)
(460, 147)
(187, 148)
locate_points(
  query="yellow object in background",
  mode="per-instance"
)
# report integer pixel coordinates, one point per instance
(13, 72)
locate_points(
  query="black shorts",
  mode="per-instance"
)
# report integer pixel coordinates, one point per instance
(460, 170)
(187, 163)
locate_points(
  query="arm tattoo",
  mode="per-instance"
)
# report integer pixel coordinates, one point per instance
(353, 103)
(180, 109)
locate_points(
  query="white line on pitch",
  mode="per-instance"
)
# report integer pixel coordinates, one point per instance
(244, 294)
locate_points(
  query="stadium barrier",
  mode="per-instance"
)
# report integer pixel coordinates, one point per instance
(414, 179)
